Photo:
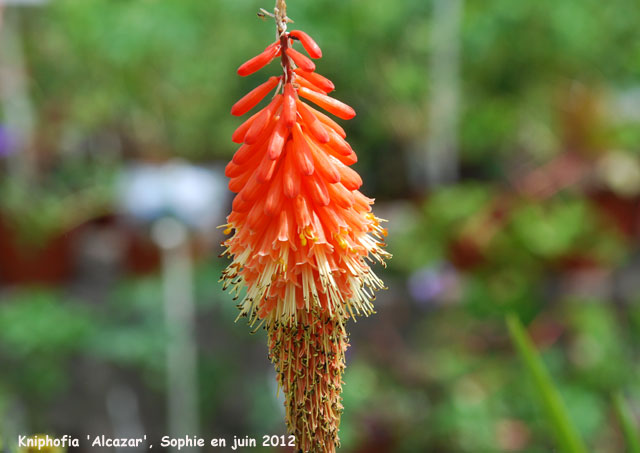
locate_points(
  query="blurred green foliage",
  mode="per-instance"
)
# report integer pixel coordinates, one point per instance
(162, 73)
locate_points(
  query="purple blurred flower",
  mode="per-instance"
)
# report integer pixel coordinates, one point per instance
(7, 141)
(433, 285)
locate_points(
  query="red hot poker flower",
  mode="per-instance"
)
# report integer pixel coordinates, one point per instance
(302, 234)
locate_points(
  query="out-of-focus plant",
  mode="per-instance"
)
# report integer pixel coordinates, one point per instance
(76, 193)
(39, 332)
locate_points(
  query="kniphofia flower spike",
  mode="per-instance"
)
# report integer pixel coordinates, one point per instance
(301, 233)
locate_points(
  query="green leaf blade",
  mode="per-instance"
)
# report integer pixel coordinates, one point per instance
(627, 424)
(565, 432)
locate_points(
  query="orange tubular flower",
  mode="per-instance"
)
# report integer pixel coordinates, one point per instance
(301, 234)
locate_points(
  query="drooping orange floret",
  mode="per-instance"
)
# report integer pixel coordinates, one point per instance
(301, 234)
(316, 79)
(331, 105)
(259, 61)
(239, 133)
(302, 61)
(308, 43)
(262, 119)
(252, 98)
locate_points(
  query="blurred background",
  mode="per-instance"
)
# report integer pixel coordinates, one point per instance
(500, 139)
